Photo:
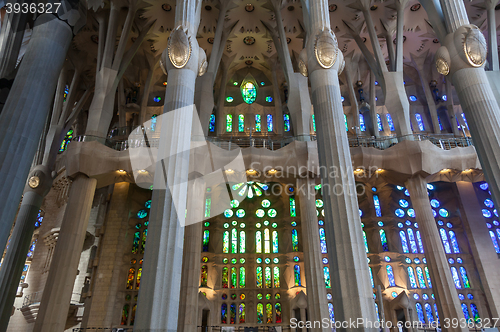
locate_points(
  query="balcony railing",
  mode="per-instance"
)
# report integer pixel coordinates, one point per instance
(32, 299)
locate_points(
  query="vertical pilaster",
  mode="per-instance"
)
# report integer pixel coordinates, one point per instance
(317, 303)
(442, 283)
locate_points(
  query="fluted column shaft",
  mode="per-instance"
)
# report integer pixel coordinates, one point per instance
(57, 293)
(23, 116)
(442, 283)
(317, 303)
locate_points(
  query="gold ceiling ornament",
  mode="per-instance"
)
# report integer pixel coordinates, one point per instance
(34, 182)
(326, 48)
(442, 60)
(179, 47)
(475, 47)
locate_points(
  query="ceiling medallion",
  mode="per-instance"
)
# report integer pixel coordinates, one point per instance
(179, 48)
(249, 7)
(288, 40)
(326, 48)
(34, 182)
(396, 40)
(249, 40)
(435, 41)
(415, 7)
(208, 7)
(475, 47)
(210, 40)
(166, 7)
(332, 8)
(95, 38)
(249, 62)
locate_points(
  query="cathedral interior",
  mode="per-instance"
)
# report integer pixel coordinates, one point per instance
(249, 165)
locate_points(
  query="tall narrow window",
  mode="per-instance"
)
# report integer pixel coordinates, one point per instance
(411, 275)
(420, 313)
(242, 277)
(234, 241)
(225, 242)
(362, 125)
(234, 277)
(131, 278)
(267, 276)
(376, 202)
(465, 310)
(293, 212)
(286, 122)
(390, 275)
(204, 276)
(456, 279)
(420, 276)
(295, 240)
(269, 123)
(420, 122)
(475, 313)
(276, 277)
(143, 243)
(225, 277)
(389, 120)
(346, 125)
(404, 242)
(269, 313)
(229, 123)
(211, 126)
(206, 238)
(258, 242)
(232, 310)
(242, 313)
(267, 241)
(379, 123)
(241, 123)
(326, 275)
(275, 242)
(419, 241)
(371, 277)
(366, 242)
(314, 123)
(208, 205)
(465, 279)
(296, 273)
(465, 121)
(259, 276)
(66, 140)
(428, 312)
(436, 312)
(136, 242)
(125, 312)
(454, 242)
(322, 241)
(260, 313)
(249, 92)
(277, 306)
(332, 313)
(242, 242)
(428, 276)
(444, 238)
(495, 242)
(223, 313)
(258, 123)
(383, 240)
(413, 244)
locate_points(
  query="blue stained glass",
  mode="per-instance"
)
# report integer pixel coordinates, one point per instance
(484, 186)
(403, 203)
(454, 243)
(475, 313)
(376, 202)
(332, 313)
(413, 244)
(488, 203)
(443, 213)
(360, 213)
(286, 121)
(404, 243)
(389, 120)
(436, 312)
(322, 241)
(376, 310)
(399, 213)
(430, 186)
(428, 311)
(416, 296)
(465, 310)
(434, 213)
(366, 243)
(241, 123)
(362, 125)
(249, 92)
(269, 123)
(465, 279)
(420, 244)
(411, 275)
(346, 125)
(486, 213)
(379, 123)
(411, 213)
(495, 242)
(435, 203)
(326, 274)
(428, 276)
(420, 122)
(258, 123)
(420, 313)
(407, 193)
(383, 240)
(456, 279)
(444, 237)
(211, 125)
(399, 188)
(400, 225)
(461, 297)
(425, 297)
(420, 277)
(390, 275)
(314, 123)
(371, 277)
(465, 120)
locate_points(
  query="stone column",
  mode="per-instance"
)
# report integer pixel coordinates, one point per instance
(373, 106)
(482, 248)
(317, 303)
(351, 288)
(352, 96)
(188, 306)
(64, 267)
(23, 116)
(442, 283)
(277, 98)
(451, 109)
(159, 295)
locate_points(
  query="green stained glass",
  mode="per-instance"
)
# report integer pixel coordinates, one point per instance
(293, 213)
(242, 191)
(258, 123)
(366, 243)
(276, 277)
(142, 214)
(234, 241)
(225, 279)
(259, 296)
(258, 242)
(293, 223)
(286, 121)
(319, 203)
(125, 312)
(260, 313)
(225, 242)
(237, 186)
(277, 296)
(267, 260)
(314, 123)
(225, 260)
(269, 313)
(295, 240)
(206, 239)
(260, 213)
(234, 277)
(259, 276)
(148, 204)
(226, 225)
(206, 224)
(317, 187)
(240, 213)
(258, 225)
(326, 274)
(242, 277)
(272, 213)
(268, 296)
(228, 213)
(276, 260)
(242, 225)
(233, 260)
(258, 192)
(266, 223)
(268, 276)
(277, 306)
(420, 276)
(204, 276)
(242, 242)
(241, 123)
(259, 260)
(428, 276)
(234, 223)
(66, 140)
(267, 240)
(242, 260)
(229, 123)
(296, 274)
(274, 225)
(242, 313)
(266, 203)
(138, 226)
(235, 203)
(248, 92)
(275, 242)
(143, 244)
(346, 125)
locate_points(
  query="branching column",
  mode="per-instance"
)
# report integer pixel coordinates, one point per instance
(442, 283)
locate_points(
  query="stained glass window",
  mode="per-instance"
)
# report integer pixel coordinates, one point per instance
(495, 242)
(475, 313)
(379, 123)
(444, 237)
(275, 242)
(293, 212)
(258, 242)
(258, 123)
(428, 276)
(454, 243)
(269, 313)
(260, 312)
(242, 277)
(225, 242)
(269, 123)
(211, 126)
(465, 279)
(125, 313)
(456, 280)
(420, 122)
(404, 243)
(136, 242)
(346, 125)
(389, 120)
(208, 205)
(296, 273)
(259, 276)
(362, 125)
(428, 311)
(413, 244)
(267, 244)
(206, 238)
(267, 275)
(326, 275)
(366, 242)
(277, 306)
(286, 121)
(411, 275)
(276, 277)
(132, 316)
(322, 241)
(225, 277)
(232, 310)
(66, 140)
(229, 123)
(314, 123)
(242, 242)
(465, 121)
(371, 277)
(234, 278)
(131, 278)
(383, 240)
(143, 243)
(295, 240)
(204, 276)
(241, 123)
(465, 310)
(390, 275)
(420, 276)
(419, 241)
(420, 313)
(249, 92)
(332, 313)
(376, 202)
